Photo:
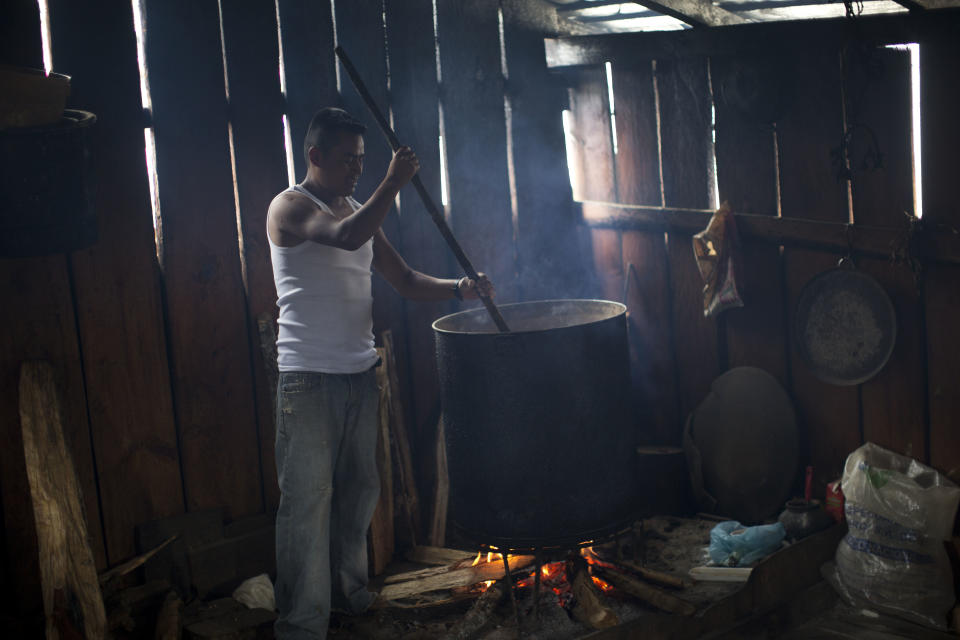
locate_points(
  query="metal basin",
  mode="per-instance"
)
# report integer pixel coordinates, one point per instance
(541, 444)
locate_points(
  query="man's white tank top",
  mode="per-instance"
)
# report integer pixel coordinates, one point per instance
(326, 304)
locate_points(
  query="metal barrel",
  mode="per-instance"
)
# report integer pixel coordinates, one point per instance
(541, 443)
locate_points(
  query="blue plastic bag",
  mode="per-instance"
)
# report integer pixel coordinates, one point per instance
(734, 545)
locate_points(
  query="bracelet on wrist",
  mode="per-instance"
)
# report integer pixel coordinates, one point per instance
(456, 289)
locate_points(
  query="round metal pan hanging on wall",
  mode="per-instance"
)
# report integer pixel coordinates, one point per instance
(846, 326)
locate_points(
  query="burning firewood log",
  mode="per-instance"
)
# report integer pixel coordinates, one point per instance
(658, 577)
(589, 607)
(479, 614)
(454, 578)
(642, 591)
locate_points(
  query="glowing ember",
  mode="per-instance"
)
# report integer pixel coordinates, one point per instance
(603, 586)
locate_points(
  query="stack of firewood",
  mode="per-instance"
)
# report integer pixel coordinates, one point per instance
(587, 580)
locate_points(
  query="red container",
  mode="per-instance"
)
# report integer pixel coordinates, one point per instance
(834, 501)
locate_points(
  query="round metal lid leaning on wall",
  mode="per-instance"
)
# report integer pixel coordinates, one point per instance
(742, 446)
(845, 326)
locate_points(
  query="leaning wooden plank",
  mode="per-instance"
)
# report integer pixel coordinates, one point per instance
(66, 560)
(459, 578)
(381, 527)
(425, 554)
(400, 439)
(651, 595)
(441, 493)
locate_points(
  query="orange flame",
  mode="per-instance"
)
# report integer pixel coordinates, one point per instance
(604, 586)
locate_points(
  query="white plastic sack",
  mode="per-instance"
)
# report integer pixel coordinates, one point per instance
(899, 512)
(256, 593)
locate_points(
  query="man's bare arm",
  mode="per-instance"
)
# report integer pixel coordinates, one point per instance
(414, 285)
(292, 218)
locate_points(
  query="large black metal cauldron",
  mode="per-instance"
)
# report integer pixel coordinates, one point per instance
(541, 447)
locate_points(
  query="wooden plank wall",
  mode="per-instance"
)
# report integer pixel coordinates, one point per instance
(780, 149)
(152, 329)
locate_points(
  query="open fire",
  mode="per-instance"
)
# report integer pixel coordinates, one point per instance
(553, 575)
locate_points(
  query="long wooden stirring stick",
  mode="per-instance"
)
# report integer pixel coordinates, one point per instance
(421, 190)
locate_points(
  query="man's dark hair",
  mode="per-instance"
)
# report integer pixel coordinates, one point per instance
(325, 128)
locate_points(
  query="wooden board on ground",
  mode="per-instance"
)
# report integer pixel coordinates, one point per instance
(226, 619)
(66, 560)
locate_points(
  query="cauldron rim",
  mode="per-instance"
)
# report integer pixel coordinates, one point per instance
(620, 310)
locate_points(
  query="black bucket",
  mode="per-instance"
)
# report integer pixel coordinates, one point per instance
(541, 443)
(46, 187)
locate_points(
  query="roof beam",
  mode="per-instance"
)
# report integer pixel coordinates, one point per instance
(696, 13)
(757, 38)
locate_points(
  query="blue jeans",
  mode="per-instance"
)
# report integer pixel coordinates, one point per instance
(329, 486)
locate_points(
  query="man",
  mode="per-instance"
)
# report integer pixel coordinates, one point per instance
(322, 245)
